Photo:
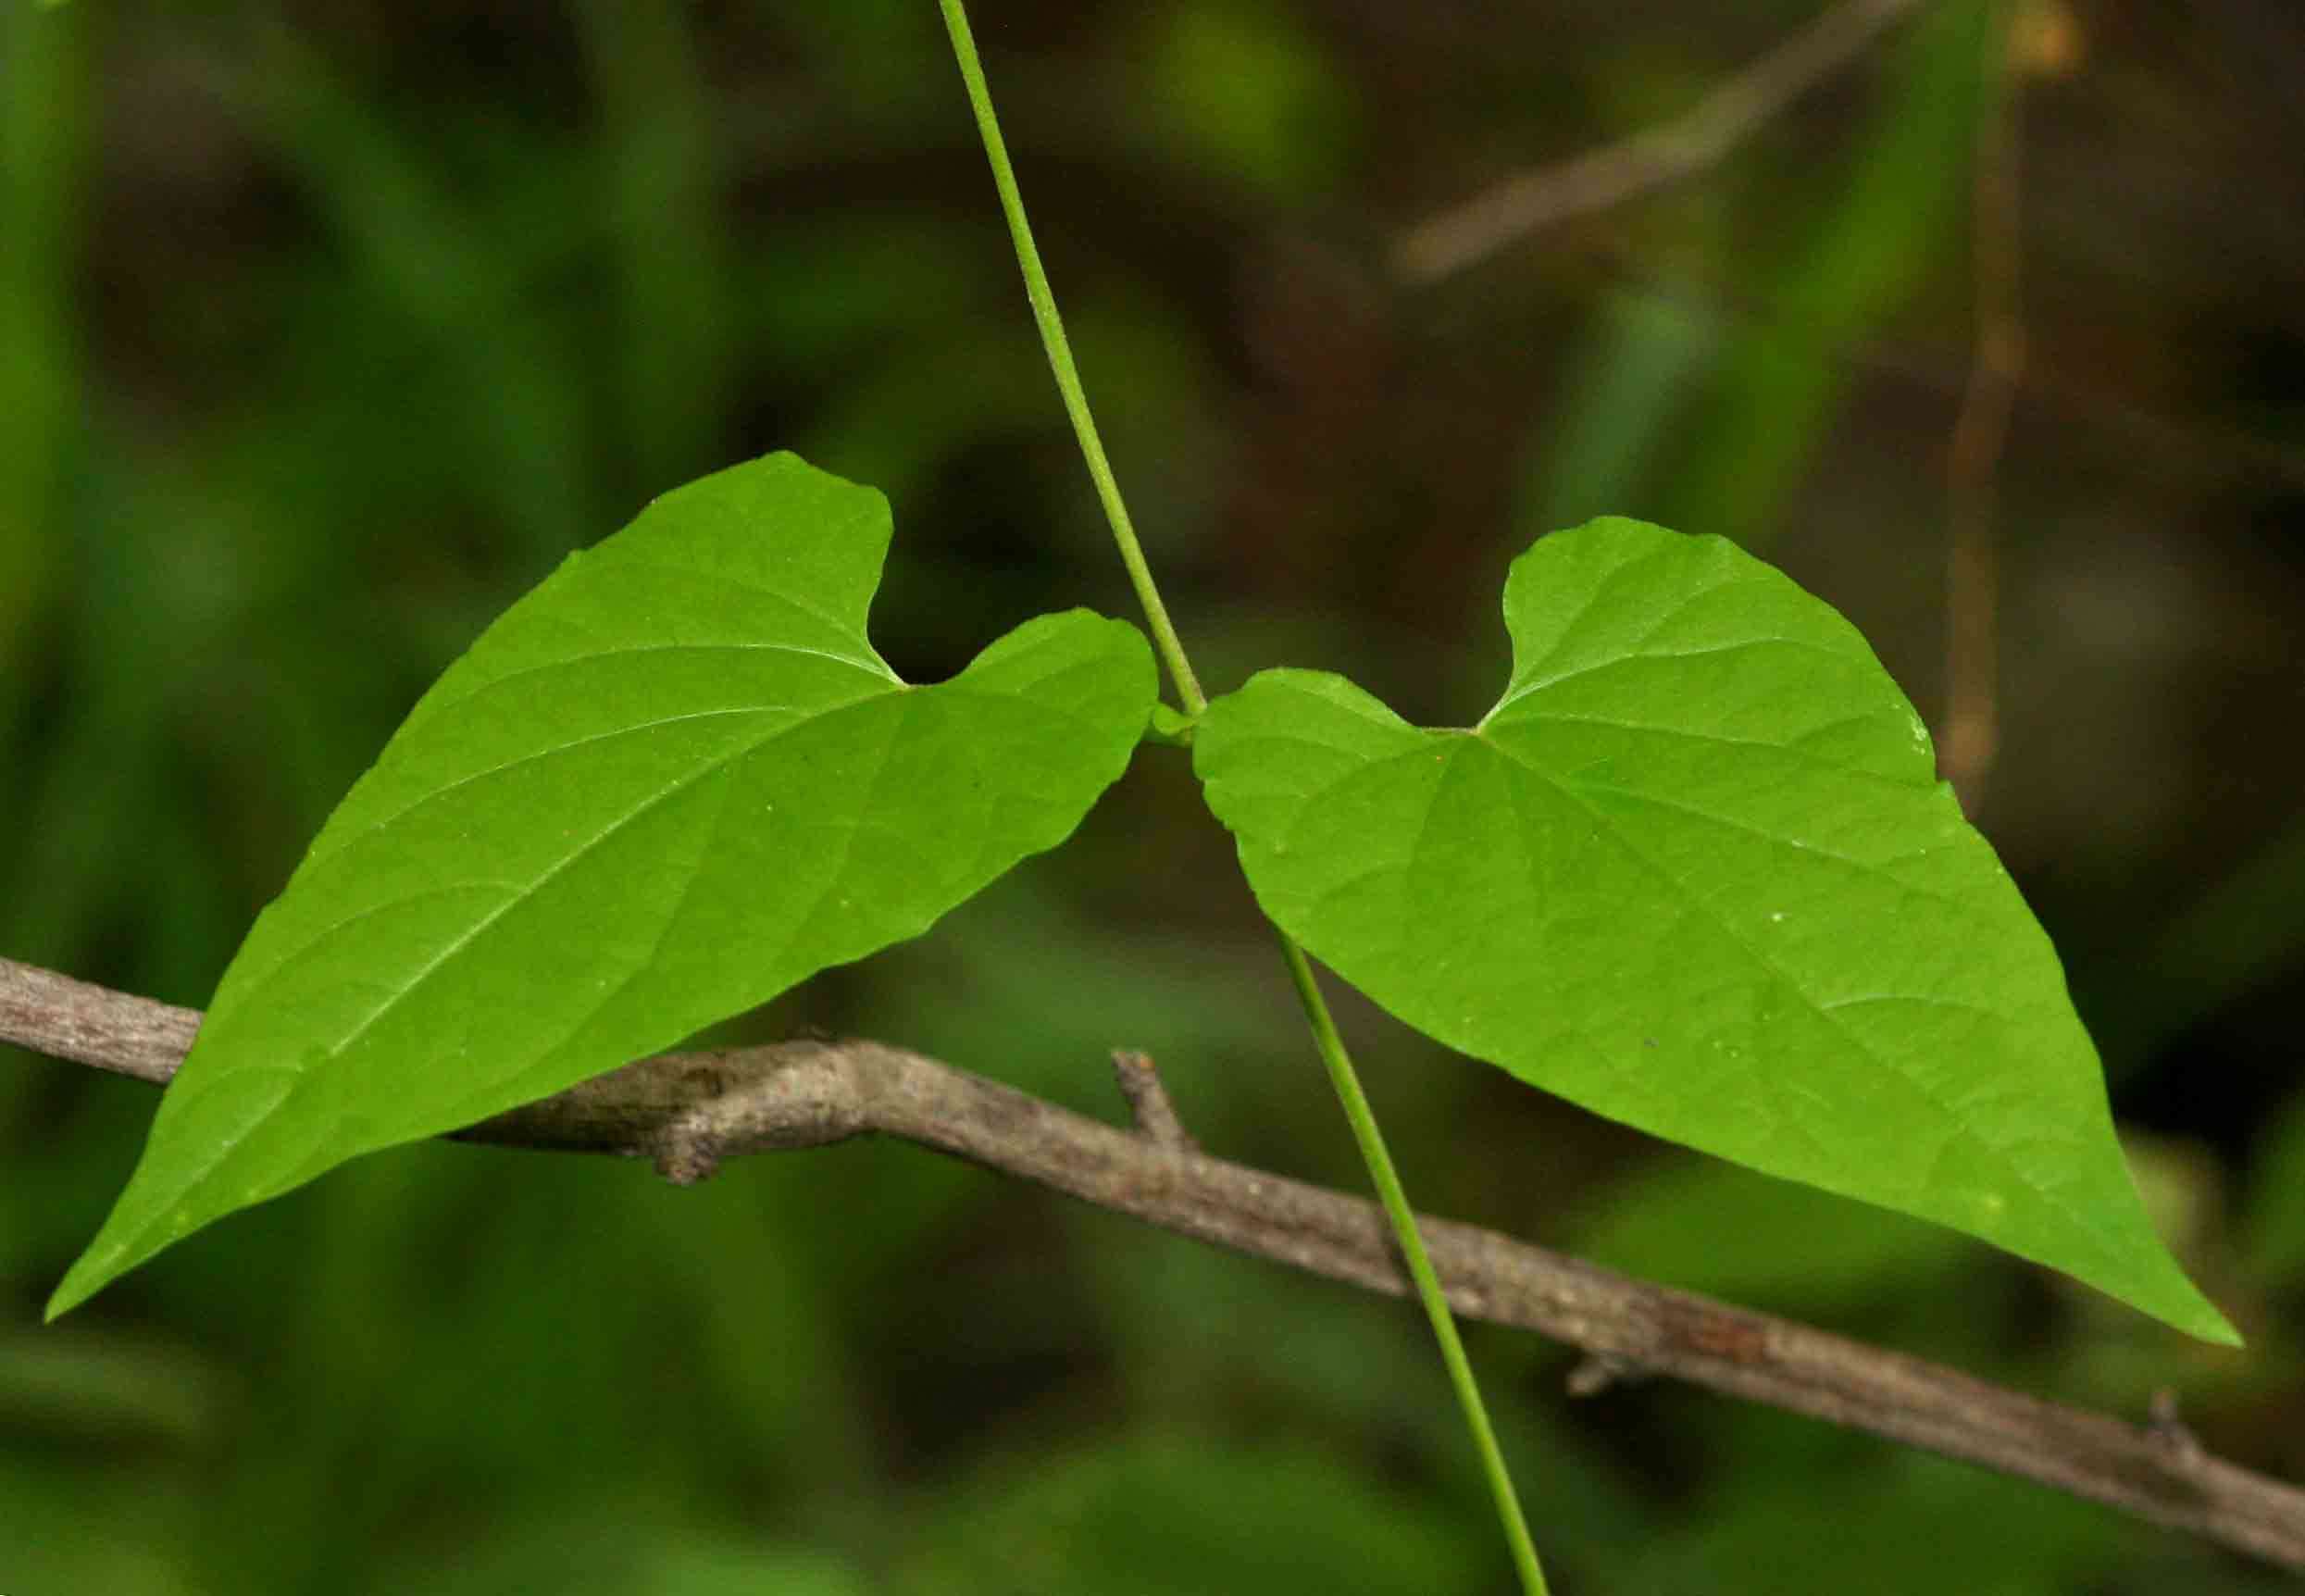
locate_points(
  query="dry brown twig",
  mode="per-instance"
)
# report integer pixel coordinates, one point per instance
(1598, 179)
(687, 1111)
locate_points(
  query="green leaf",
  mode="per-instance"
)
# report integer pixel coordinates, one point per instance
(1695, 872)
(668, 784)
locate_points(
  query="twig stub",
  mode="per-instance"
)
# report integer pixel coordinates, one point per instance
(1149, 1106)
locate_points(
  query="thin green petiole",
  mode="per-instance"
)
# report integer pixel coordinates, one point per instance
(1331, 1046)
(1061, 363)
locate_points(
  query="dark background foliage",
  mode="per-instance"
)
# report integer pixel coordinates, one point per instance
(327, 329)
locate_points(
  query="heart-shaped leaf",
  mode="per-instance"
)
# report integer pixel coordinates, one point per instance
(664, 787)
(1695, 871)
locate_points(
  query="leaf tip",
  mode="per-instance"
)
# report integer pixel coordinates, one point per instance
(82, 1281)
(2208, 1323)
(116, 1250)
(2175, 1301)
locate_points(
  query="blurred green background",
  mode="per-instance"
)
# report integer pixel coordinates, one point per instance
(327, 329)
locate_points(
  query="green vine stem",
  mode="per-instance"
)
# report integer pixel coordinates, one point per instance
(1395, 1200)
(1067, 375)
(1325, 1035)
